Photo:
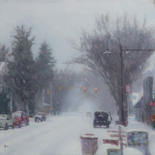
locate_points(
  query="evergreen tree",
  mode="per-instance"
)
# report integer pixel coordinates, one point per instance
(3, 53)
(44, 64)
(4, 102)
(21, 68)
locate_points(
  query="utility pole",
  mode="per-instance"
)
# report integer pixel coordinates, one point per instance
(121, 86)
(123, 103)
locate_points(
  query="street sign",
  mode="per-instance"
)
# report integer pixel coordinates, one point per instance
(128, 89)
(111, 141)
(152, 104)
(48, 92)
(114, 135)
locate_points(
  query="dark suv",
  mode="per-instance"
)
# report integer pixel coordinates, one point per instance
(102, 119)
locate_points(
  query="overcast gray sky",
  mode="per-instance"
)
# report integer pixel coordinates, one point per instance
(60, 21)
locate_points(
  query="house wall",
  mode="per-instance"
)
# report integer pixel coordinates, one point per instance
(147, 98)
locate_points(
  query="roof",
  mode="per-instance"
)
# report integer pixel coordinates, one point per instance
(139, 103)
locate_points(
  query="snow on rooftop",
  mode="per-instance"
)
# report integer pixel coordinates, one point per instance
(136, 97)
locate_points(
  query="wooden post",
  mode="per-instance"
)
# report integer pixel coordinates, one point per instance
(121, 140)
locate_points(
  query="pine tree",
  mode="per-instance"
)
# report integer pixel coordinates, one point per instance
(45, 64)
(21, 68)
(4, 102)
(3, 53)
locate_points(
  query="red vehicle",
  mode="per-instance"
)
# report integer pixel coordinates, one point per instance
(20, 119)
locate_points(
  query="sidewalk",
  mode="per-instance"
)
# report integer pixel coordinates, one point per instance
(133, 124)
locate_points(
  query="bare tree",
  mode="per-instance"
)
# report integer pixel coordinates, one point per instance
(101, 52)
(62, 84)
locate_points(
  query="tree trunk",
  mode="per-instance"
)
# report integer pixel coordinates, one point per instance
(26, 108)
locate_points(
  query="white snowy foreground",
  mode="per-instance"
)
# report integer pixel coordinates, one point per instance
(140, 126)
(60, 135)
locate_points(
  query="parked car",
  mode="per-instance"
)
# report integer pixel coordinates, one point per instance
(20, 118)
(40, 117)
(17, 121)
(102, 119)
(6, 121)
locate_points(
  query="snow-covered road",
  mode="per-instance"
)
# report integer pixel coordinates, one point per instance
(59, 135)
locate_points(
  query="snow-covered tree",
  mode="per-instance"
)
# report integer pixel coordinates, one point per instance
(44, 64)
(3, 53)
(62, 84)
(21, 68)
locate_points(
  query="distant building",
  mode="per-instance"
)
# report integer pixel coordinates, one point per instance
(138, 112)
(143, 108)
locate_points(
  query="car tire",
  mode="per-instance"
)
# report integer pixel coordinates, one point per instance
(6, 127)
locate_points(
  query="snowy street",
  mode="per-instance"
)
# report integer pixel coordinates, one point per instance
(77, 77)
(60, 135)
